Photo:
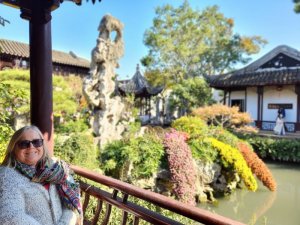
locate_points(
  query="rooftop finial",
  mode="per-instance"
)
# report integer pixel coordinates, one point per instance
(137, 67)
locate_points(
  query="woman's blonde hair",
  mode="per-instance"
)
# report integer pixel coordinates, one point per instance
(10, 159)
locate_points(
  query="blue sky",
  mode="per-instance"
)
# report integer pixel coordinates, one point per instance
(74, 28)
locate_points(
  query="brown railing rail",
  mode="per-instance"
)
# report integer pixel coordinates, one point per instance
(138, 212)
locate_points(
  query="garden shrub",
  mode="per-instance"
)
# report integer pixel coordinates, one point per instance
(157, 131)
(202, 150)
(181, 165)
(223, 135)
(132, 130)
(64, 97)
(64, 92)
(194, 126)
(10, 102)
(6, 133)
(262, 146)
(150, 151)
(232, 158)
(257, 166)
(144, 153)
(113, 157)
(222, 115)
(72, 126)
(287, 150)
(78, 149)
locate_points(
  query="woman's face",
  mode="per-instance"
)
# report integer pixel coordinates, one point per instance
(29, 149)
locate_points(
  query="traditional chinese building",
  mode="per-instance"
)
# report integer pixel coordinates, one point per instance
(142, 91)
(15, 54)
(269, 83)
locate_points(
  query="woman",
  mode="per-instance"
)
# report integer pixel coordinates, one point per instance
(279, 126)
(35, 189)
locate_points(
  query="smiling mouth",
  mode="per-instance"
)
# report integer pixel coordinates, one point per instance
(31, 154)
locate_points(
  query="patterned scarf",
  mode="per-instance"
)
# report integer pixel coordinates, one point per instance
(55, 173)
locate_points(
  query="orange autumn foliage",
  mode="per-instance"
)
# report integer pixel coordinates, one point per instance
(257, 166)
(222, 115)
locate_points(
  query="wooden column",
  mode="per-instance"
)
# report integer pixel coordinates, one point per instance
(224, 99)
(41, 101)
(149, 106)
(260, 91)
(297, 91)
(245, 102)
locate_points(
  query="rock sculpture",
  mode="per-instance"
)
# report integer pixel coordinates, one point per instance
(99, 87)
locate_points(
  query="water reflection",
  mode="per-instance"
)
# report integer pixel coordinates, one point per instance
(264, 207)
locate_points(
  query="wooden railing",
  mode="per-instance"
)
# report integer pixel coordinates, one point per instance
(133, 210)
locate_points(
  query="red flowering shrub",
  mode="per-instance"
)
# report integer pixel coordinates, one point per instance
(257, 166)
(183, 172)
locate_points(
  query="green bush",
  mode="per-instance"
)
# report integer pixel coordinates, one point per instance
(72, 126)
(150, 151)
(202, 150)
(113, 157)
(78, 149)
(10, 102)
(64, 95)
(287, 150)
(194, 126)
(144, 153)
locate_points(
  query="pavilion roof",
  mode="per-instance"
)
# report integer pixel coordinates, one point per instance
(281, 66)
(138, 85)
(53, 4)
(21, 50)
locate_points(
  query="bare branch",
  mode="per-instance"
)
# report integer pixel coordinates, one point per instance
(3, 21)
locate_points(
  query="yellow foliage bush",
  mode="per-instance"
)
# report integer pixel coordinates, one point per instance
(232, 157)
(194, 126)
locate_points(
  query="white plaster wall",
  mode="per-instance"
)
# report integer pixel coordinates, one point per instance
(251, 103)
(237, 95)
(227, 99)
(286, 95)
(217, 95)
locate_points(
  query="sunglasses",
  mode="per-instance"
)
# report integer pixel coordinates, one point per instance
(26, 143)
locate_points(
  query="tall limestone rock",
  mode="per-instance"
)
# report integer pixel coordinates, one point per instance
(109, 118)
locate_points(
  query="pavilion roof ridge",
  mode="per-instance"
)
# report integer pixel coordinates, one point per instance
(139, 85)
(21, 49)
(284, 49)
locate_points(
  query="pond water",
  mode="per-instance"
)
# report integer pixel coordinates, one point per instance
(264, 207)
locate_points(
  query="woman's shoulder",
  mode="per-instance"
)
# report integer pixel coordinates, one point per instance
(10, 174)
(5, 169)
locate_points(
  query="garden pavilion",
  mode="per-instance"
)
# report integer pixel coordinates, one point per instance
(142, 91)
